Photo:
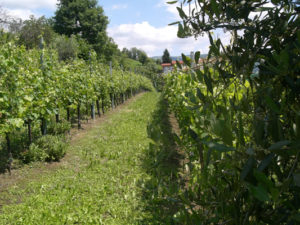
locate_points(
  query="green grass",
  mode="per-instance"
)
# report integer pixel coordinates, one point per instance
(105, 183)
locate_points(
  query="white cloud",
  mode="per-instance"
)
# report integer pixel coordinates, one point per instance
(153, 40)
(28, 4)
(24, 8)
(172, 8)
(21, 13)
(119, 6)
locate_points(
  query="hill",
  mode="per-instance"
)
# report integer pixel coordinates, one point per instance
(177, 57)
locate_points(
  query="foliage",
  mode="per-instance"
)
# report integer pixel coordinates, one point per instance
(239, 113)
(136, 54)
(67, 48)
(34, 91)
(87, 20)
(166, 57)
(15, 25)
(46, 148)
(34, 154)
(60, 128)
(53, 146)
(32, 30)
(84, 48)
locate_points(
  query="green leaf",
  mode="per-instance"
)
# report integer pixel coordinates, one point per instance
(172, 2)
(263, 180)
(180, 33)
(208, 155)
(219, 147)
(271, 104)
(279, 145)
(259, 193)
(186, 60)
(247, 167)
(199, 75)
(208, 83)
(197, 57)
(297, 179)
(170, 24)
(221, 128)
(266, 161)
(296, 217)
(181, 13)
(193, 134)
(200, 95)
(15, 123)
(215, 8)
(178, 64)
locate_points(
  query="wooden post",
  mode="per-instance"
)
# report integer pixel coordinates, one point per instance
(10, 158)
(98, 107)
(44, 121)
(123, 93)
(29, 132)
(111, 95)
(93, 104)
(78, 116)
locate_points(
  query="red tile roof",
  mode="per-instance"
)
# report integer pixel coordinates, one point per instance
(174, 62)
(166, 64)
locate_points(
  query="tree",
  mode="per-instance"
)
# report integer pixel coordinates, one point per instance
(32, 30)
(15, 25)
(126, 52)
(67, 48)
(142, 57)
(166, 57)
(158, 61)
(85, 19)
(4, 18)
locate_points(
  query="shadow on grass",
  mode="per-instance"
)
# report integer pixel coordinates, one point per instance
(162, 163)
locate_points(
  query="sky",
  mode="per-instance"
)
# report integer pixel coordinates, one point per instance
(132, 23)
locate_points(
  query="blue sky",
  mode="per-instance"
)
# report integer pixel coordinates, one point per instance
(133, 23)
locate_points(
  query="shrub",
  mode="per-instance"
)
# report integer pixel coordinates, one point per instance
(59, 128)
(35, 153)
(46, 148)
(54, 147)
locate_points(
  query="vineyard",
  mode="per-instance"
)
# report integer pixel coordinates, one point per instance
(39, 92)
(215, 140)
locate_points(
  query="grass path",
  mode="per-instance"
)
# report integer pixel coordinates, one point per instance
(103, 183)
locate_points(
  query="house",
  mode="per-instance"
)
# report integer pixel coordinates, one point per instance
(168, 67)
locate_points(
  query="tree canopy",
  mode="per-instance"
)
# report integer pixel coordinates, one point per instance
(166, 57)
(32, 29)
(87, 20)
